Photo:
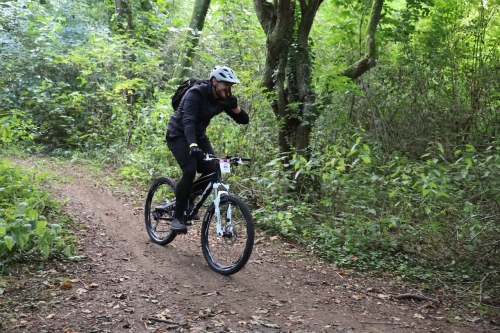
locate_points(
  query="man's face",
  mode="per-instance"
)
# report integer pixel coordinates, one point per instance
(223, 89)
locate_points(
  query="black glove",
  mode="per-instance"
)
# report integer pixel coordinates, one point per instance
(196, 152)
(232, 102)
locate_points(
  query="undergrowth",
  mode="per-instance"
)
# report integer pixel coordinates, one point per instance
(32, 226)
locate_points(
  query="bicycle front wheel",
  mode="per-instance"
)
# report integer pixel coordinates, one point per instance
(159, 211)
(228, 251)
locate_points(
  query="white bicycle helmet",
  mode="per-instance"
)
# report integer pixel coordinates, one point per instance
(223, 73)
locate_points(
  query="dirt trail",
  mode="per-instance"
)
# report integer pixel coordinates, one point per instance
(128, 284)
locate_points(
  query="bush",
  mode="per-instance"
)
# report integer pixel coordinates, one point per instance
(25, 211)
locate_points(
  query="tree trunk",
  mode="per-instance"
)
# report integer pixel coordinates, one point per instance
(291, 67)
(124, 19)
(200, 9)
(288, 64)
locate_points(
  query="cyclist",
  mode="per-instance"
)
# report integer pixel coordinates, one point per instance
(186, 133)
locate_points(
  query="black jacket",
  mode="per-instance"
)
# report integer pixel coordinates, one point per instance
(191, 121)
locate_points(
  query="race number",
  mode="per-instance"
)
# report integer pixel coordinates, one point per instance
(225, 166)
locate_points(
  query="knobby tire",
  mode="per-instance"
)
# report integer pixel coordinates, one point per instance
(217, 249)
(161, 192)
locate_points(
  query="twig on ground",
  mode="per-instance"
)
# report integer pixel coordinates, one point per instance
(85, 285)
(42, 319)
(380, 323)
(163, 321)
(414, 296)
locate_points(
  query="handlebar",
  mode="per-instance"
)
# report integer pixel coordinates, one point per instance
(235, 160)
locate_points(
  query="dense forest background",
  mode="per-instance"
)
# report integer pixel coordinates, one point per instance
(374, 124)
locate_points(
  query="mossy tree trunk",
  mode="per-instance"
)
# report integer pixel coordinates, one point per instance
(183, 68)
(288, 72)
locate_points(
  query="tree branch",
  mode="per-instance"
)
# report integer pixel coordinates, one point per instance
(362, 66)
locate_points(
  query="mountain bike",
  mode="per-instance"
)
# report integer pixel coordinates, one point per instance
(227, 230)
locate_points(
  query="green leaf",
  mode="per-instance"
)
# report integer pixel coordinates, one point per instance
(32, 214)
(44, 247)
(40, 227)
(55, 227)
(9, 242)
(21, 208)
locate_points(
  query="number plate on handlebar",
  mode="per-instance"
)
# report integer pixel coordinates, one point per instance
(225, 166)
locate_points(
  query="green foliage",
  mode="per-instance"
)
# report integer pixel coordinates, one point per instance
(24, 227)
(413, 217)
(16, 131)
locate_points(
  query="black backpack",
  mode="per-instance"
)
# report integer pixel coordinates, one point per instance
(184, 87)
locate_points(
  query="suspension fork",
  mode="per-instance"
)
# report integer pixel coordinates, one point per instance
(218, 195)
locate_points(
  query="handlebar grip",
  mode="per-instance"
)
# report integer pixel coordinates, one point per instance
(246, 159)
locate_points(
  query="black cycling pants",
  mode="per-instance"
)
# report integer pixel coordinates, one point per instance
(189, 166)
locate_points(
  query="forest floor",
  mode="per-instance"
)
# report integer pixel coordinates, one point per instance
(125, 283)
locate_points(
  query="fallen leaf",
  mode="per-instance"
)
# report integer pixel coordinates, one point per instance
(418, 315)
(80, 291)
(50, 316)
(357, 296)
(66, 285)
(383, 296)
(86, 311)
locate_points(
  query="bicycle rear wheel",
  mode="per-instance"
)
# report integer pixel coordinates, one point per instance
(228, 253)
(159, 211)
